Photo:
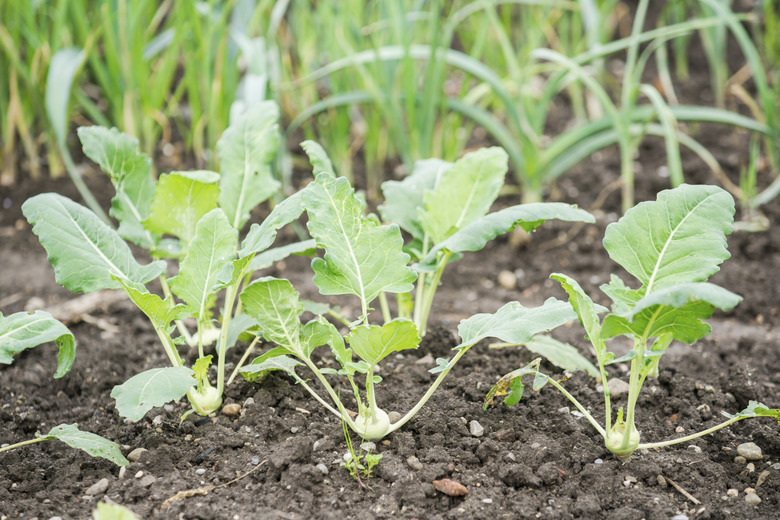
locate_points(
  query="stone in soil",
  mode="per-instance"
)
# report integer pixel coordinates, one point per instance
(750, 450)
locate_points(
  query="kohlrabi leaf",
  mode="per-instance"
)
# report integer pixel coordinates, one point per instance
(239, 324)
(514, 323)
(246, 151)
(83, 250)
(24, 330)
(624, 298)
(274, 303)
(318, 158)
(181, 200)
(756, 409)
(316, 333)
(284, 363)
(475, 235)
(361, 257)
(208, 264)
(160, 312)
(587, 311)
(106, 511)
(374, 343)
(93, 445)
(560, 354)
(511, 385)
(464, 193)
(118, 155)
(261, 236)
(676, 311)
(679, 238)
(155, 387)
(268, 258)
(404, 199)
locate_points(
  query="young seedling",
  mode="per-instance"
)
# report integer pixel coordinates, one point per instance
(92, 444)
(190, 218)
(671, 246)
(446, 209)
(352, 460)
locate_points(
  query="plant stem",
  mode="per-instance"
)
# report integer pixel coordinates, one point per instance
(671, 442)
(576, 403)
(385, 307)
(24, 443)
(243, 358)
(230, 296)
(431, 292)
(180, 326)
(332, 393)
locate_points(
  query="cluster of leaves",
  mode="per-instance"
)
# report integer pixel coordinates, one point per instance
(671, 246)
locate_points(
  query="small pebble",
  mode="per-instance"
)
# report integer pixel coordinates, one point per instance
(139, 474)
(752, 499)
(249, 402)
(368, 446)
(414, 463)
(200, 471)
(322, 467)
(98, 487)
(56, 518)
(294, 429)
(618, 387)
(740, 460)
(694, 448)
(680, 517)
(134, 455)
(749, 490)
(394, 417)
(732, 492)
(661, 481)
(148, 480)
(487, 500)
(476, 429)
(751, 467)
(507, 279)
(679, 429)
(762, 477)
(427, 359)
(123, 471)
(231, 409)
(255, 461)
(535, 445)
(511, 456)
(168, 407)
(598, 461)
(158, 420)
(750, 451)
(450, 487)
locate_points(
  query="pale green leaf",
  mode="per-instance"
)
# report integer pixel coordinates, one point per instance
(155, 387)
(514, 323)
(268, 258)
(475, 235)
(246, 151)
(318, 158)
(118, 155)
(404, 199)
(106, 511)
(679, 238)
(238, 325)
(63, 68)
(464, 192)
(361, 257)
(756, 409)
(283, 363)
(181, 200)
(24, 330)
(316, 333)
(84, 251)
(587, 311)
(160, 312)
(560, 354)
(208, 264)
(93, 445)
(374, 343)
(274, 303)
(261, 236)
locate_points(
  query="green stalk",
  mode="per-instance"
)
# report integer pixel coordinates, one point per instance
(386, 316)
(241, 361)
(579, 406)
(671, 442)
(24, 443)
(431, 292)
(227, 312)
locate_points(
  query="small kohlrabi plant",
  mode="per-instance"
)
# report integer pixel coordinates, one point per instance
(24, 330)
(445, 208)
(671, 246)
(191, 219)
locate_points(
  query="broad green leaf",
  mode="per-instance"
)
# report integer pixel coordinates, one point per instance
(237, 326)
(93, 445)
(374, 343)
(106, 511)
(268, 258)
(560, 354)
(118, 155)
(83, 250)
(474, 236)
(261, 236)
(23, 330)
(514, 323)
(63, 68)
(464, 192)
(318, 158)
(587, 311)
(404, 199)
(512, 385)
(246, 151)
(679, 238)
(283, 363)
(160, 312)
(274, 303)
(316, 333)
(361, 258)
(676, 311)
(624, 298)
(181, 200)
(756, 409)
(208, 264)
(155, 387)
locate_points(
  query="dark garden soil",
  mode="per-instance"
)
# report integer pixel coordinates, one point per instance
(535, 460)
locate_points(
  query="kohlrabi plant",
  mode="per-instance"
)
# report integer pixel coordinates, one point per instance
(671, 246)
(445, 209)
(23, 330)
(190, 223)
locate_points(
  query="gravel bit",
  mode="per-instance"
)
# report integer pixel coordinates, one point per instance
(476, 429)
(739, 459)
(414, 463)
(617, 387)
(750, 451)
(134, 455)
(98, 488)
(394, 417)
(752, 499)
(322, 467)
(231, 410)
(762, 477)
(732, 492)
(200, 471)
(450, 487)
(148, 480)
